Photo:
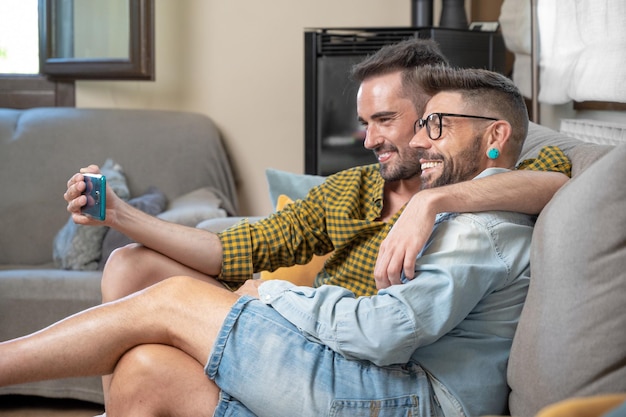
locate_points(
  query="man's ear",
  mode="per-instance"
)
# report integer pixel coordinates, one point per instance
(499, 135)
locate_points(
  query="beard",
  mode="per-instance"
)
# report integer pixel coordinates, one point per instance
(467, 166)
(405, 167)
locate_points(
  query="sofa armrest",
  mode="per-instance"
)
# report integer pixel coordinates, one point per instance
(219, 224)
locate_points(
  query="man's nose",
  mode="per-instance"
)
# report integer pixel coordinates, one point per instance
(420, 139)
(372, 138)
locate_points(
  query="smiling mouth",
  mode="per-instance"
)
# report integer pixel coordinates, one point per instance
(383, 155)
(431, 164)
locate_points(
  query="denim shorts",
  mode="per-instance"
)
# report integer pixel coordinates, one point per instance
(266, 367)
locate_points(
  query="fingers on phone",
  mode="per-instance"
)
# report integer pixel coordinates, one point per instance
(91, 169)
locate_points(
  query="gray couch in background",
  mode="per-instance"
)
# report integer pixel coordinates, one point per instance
(181, 154)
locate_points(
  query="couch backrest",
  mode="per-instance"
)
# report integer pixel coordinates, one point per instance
(570, 339)
(41, 148)
(580, 153)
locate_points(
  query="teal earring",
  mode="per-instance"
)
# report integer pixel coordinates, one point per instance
(493, 153)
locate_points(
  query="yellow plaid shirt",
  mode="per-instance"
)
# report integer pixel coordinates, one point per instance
(341, 215)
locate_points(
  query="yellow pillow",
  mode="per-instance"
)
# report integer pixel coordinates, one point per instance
(594, 406)
(298, 274)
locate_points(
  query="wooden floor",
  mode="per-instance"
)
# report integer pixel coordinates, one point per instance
(21, 406)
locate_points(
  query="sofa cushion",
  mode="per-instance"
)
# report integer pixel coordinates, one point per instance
(79, 247)
(194, 207)
(31, 299)
(294, 186)
(570, 340)
(581, 154)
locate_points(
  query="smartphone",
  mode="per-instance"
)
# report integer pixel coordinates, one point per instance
(95, 190)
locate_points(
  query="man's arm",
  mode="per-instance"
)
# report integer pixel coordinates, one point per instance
(522, 191)
(388, 327)
(195, 248)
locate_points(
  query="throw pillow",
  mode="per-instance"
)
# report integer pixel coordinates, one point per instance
(298, 274)
(619, 411)
(194, 207)
(152, 202)
(594, 406)
(79, 247)
(294, 186)
(570, 339)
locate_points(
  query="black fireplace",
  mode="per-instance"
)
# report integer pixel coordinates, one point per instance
(332, 136)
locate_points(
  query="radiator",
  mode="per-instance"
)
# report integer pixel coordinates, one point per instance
(595, 131)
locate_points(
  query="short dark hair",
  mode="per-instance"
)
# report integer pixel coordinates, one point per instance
(492, 93)
(407, 54)
(404, 56)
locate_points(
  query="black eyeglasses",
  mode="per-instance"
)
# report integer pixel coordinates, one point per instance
(434, 124)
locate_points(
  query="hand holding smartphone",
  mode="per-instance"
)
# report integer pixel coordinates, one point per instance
(95, 190)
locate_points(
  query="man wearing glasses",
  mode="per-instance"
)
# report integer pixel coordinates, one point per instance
(350, 215)
(435, 346)
(372, 218)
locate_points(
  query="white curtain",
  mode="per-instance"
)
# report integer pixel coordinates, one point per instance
(582, 48)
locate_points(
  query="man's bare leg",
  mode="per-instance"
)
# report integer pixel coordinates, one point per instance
(133, 268)
(181, 312)
(158, 380)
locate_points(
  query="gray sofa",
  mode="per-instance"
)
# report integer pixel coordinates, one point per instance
(181, 154)
(571, 338)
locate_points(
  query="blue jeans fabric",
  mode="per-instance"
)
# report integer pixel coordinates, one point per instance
(266, 367)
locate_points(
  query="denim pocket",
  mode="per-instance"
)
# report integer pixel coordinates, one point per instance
(406, 406)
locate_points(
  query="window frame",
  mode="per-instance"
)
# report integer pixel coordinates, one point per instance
(25, 91)
(139, 65)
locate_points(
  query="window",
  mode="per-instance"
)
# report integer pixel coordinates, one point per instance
(19, 41)
(21, 84)
(108, 39)
(47, 44)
